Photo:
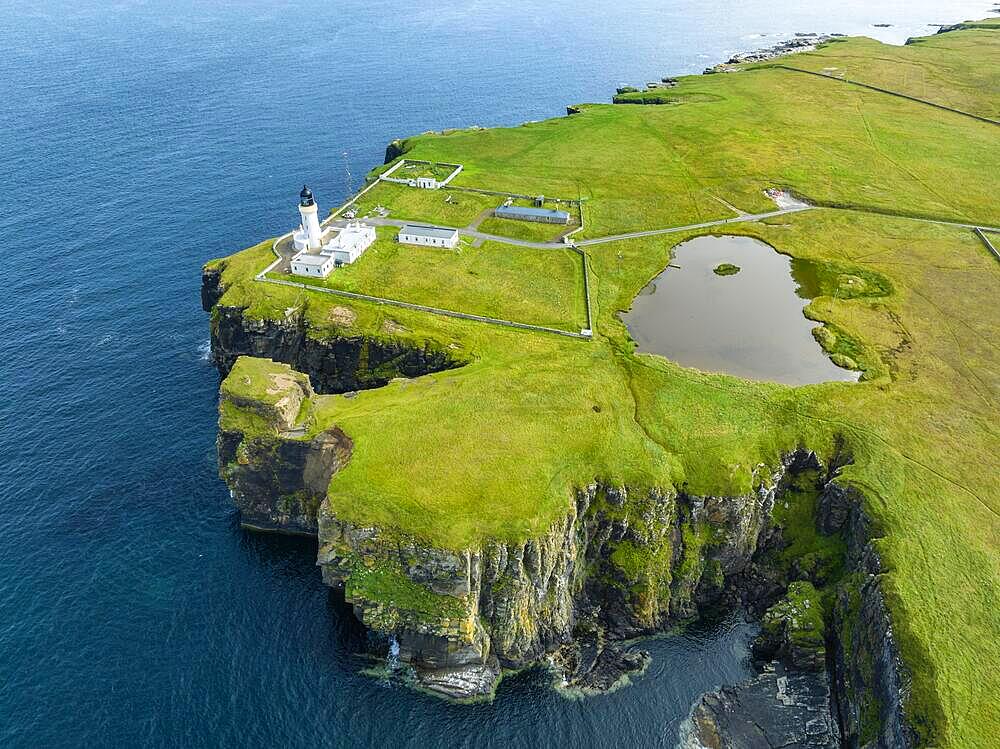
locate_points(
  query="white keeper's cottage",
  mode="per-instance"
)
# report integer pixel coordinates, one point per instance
(320, 250)
(428, 236)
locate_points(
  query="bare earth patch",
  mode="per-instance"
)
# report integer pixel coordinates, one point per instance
(343, 316)
(391, 326)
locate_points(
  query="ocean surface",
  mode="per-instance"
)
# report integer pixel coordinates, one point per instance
(139, 139)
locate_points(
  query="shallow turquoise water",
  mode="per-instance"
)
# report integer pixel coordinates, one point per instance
(139, 139)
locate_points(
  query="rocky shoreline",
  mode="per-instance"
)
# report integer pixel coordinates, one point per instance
(804, 42)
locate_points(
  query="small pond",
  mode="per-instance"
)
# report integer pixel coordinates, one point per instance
(748, 323)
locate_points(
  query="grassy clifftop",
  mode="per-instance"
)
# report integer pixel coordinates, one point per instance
(493, 449)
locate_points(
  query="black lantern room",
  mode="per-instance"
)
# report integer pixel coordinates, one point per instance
(306, 196)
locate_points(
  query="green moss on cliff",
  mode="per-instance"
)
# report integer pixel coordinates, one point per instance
(801, 614)
(384, 582)
(818, 556)
(232, 418)
(857, 656)
(695, 538)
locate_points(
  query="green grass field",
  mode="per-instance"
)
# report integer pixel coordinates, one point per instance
(827, 141)
(494, 449)
(445, 207)
(527, 230)
(412, 170)
(945, 69)
(539, 287)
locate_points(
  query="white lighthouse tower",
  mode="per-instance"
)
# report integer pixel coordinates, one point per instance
(309, 234)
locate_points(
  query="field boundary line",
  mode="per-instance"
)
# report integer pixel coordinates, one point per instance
(981, 233)
(262, 278)
(881, 90)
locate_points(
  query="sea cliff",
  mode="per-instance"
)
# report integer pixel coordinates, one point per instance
(623, 561)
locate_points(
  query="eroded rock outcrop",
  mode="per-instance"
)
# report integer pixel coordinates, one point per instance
(782, 708)
(277, 476)
(621, 561)
(334, 365)
(872, 681)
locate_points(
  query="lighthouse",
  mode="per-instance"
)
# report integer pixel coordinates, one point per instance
(309, 234)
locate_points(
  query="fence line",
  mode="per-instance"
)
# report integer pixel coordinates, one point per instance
(945, 107)
(986, 241)
(586, 288)
(417, 307)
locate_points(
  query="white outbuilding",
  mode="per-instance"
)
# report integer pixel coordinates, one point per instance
(350, 242)
(312, 264)
(428, 236)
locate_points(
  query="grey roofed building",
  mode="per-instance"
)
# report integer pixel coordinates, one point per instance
(308, 258)
(436, 232)
(428, 236)
(525, 213)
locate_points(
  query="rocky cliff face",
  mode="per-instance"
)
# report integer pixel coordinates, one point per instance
(622, 561)
(278, 483)
(335, 365)
(815, 655)
(629, 562)
(872, 684)
(277, 479)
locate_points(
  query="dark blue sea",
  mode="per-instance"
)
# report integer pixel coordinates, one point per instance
(138, 140)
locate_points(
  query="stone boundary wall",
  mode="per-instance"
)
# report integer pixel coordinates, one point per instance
(986, 241)
(945, 107)
(262, 277)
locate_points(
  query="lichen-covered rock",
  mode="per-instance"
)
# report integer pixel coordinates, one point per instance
(659, 557)
(793, 630)
(427, 598)
(872, 681)
(333, 364)
(778, 708)
(634, 561)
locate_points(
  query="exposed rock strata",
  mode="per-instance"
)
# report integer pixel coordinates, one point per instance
(778, 708)
(872, 682)
(623, 561)
(518, 602)
(336, 365)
